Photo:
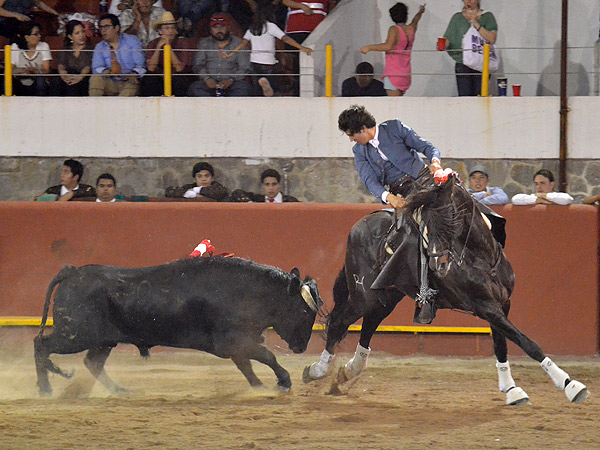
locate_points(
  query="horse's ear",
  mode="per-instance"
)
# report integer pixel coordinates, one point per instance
(294, 286)
(295, 272)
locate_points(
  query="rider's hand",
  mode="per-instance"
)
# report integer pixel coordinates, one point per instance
(434, 166)
(395, 201)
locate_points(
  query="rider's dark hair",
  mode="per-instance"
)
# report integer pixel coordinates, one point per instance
(354, 119)
(399, 13)
(545, 173)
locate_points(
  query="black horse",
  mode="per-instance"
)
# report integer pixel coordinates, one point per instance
(441, 249)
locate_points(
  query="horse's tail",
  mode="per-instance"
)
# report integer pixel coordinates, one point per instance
(340, 288)
(64, 273)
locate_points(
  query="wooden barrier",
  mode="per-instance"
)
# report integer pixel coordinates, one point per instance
(554, 252)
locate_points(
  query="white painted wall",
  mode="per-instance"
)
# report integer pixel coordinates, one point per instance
(528, 40)
(496, 127)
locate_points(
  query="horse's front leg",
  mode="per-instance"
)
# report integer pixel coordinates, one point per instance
(514, 395)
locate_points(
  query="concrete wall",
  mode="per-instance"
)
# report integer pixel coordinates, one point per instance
(517, 128)
(528, 41)
(555, 300)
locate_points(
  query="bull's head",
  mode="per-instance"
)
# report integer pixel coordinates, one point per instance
(296, 329)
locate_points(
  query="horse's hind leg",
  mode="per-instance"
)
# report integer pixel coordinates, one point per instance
(94, 361)
(514, 394)
(574, 390)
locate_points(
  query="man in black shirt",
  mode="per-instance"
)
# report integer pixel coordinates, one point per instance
(362, 84)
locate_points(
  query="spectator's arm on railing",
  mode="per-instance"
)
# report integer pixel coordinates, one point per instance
(289, 41)
(390, 43)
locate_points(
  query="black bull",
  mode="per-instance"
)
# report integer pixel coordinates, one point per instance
(217, 305)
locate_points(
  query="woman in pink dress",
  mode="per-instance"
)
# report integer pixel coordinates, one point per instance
(397, 47)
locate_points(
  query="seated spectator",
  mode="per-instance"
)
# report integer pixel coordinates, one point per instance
(220, 76)
(204, 185)
(362, 83)
(13, 13)
(73, 65)
(118, 6)
(479, 189)
(106, 188)
(70, 187)
(117, 62)
(261, 36)
(543, 181)
(153, 86)
(191, 11)
(592, 200)
(270, 180)
(139, 19)
(30, 60)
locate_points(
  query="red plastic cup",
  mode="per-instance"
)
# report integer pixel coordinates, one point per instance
(441, 46)
(516, 90)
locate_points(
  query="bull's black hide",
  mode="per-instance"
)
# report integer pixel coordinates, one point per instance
(217, 305)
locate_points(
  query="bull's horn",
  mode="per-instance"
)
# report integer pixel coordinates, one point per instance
(308, 298)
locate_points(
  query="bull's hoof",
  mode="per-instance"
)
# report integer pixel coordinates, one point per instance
(284, 389)
(46, 392)
(517, 397)
(576, 391)
(69, 375)
(119, 390)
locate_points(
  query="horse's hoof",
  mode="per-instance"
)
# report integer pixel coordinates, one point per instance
(576, 392)
(342, 378)
(306, 378)
(517, 397)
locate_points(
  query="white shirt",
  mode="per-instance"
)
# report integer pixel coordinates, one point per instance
(263, 46)
(20, 59)
(277, 199)
(100, 201)
(64, 190)
(560, 198)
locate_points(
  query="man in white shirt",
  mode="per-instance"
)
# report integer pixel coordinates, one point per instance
(543, 181)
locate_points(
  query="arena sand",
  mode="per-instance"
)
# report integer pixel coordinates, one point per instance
(192, 400)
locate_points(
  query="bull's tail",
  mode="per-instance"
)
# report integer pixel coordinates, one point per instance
(60, 276)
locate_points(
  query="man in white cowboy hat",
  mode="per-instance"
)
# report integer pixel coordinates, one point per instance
(181, 61)
(138, 20)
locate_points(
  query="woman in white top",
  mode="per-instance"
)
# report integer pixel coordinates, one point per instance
(30, 60)
(261, 35)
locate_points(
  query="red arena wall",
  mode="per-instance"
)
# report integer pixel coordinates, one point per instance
(553, 250)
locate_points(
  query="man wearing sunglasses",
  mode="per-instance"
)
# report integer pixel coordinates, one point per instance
(220, 76)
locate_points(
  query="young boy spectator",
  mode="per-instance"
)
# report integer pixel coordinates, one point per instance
(70, 187)
(479, 189)
(543, 181)
(204, 185)
(362, 83)
(270, 181)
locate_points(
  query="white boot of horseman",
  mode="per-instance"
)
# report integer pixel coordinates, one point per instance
(319, 369)
(514, 394)
(574, 390)
(357, 364)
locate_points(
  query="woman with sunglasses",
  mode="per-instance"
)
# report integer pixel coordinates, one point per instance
(31, 61)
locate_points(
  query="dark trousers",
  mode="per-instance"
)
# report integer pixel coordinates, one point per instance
(154, 86)
(263, 71)
(468, 81)
(199, 88)
(39, 88)
(58, 88)
(295, 57)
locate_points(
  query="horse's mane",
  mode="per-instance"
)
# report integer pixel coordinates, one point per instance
(441, 208)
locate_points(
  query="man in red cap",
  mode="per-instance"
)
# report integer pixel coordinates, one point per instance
(220, 76)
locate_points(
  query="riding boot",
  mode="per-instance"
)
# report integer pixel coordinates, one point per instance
(425, 313)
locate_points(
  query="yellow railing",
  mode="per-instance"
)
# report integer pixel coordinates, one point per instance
(485, 74)
(7, 71)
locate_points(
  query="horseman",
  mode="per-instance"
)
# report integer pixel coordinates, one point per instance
(387, 160)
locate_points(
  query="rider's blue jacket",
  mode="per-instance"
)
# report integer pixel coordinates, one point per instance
(399, 144)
